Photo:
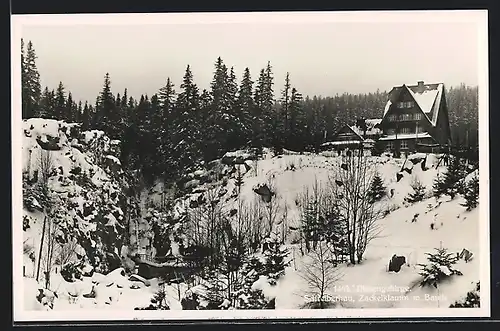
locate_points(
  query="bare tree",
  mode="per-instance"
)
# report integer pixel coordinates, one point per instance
(350, 185)
(50, 244)
(65, 252)
(256, 223)
(271, 208)
(45, 165)
(313, 208)
(321, 273)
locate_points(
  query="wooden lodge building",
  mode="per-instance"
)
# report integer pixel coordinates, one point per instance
(365, 132)
(415, 119)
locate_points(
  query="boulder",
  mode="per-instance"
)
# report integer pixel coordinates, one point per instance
(264, 191)
(396, 263)
(49, 144)
(399, 175)
(466, 255)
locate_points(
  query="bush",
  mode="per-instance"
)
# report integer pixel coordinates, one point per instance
(418, 193)
(71, 271)
(377, 188)
(159, 300)
(471, 300)
(451, 182)
(471, 194)
(440, 267)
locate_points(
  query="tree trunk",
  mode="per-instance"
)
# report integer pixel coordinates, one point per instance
(41, 248)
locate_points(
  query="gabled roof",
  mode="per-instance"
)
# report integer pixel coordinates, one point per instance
(429, 99)
(351, 128)
(372, 127)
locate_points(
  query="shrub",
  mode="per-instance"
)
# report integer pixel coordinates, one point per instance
(471, 194)
(418, 193)
(471, 300)
(440, 266)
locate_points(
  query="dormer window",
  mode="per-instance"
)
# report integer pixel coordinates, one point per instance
(405, 104)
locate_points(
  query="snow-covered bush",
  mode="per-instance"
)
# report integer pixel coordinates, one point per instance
(71, 271)
(472, 299)
(159, 300)
(418, 192)
(377, 188)
(439, 267)
(451, 182)
(471, 194)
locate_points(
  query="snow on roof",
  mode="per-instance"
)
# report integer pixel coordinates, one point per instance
(406, 136)
(373, 121)
(425, 100)
(371, 127)
(428, 100)
(345, 142)
(387, 106)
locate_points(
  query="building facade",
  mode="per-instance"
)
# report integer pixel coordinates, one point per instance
(415, 119)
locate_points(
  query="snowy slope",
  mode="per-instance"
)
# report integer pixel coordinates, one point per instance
(402, 237)
(290, 174)
(84, 185)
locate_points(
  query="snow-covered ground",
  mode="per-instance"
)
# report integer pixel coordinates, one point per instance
(290, 174)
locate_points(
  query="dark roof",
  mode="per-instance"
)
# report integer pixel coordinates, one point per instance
(429, 98)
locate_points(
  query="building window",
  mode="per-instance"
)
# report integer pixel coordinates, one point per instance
(391, 131)
(392, 118)
(390, 145)
(405, 104)
(404, 144)
(405, 117)
(405, 130)
(417, 116)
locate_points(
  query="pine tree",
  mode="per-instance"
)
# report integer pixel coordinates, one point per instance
(297, 121)
(60, 103)
(24, 83)
(79, 111)
(276, 261)
(186, 135)
(438, 187)
(269, 115)
(86, 117)
(68, 113)
(471, 194)
(439, 266)
(107, 119)
(30, 80)
(283, 128)
(258, 129)
(418, 193)
(163, 119)
(47, 104)
(377, 188)
(245, 107)
(220, 125)
(335, 232)
(451, 184)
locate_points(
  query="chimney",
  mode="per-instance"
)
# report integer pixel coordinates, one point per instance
(420, 86)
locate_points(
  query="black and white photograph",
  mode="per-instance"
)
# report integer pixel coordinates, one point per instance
(175, 166)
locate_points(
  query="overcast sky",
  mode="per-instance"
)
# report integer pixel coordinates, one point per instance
(323, 57)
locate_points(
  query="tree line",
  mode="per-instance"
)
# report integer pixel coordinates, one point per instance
(168, 132)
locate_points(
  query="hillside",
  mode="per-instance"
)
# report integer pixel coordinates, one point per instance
(107, 217)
